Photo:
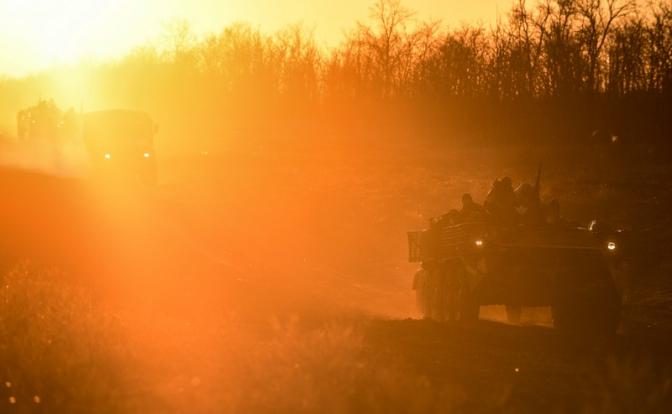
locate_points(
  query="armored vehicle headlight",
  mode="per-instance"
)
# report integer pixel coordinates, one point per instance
(611, 246)
(478, 243)
(107, 156)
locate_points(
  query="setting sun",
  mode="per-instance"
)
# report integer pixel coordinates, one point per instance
(66, 31)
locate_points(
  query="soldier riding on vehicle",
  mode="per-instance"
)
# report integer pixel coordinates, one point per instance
(515, 252)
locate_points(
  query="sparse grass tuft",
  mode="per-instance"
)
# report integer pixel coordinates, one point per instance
(62, 351)
(57, 349)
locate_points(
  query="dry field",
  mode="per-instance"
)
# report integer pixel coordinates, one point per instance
(267, 282)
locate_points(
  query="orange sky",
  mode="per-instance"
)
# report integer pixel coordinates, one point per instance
(35, 34)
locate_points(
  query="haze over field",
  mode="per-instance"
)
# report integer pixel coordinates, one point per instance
(213, 215)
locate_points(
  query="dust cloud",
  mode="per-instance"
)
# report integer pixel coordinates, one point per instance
(265, 267)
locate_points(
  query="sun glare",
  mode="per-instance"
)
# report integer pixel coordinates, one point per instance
(37, 34)
(67, 31)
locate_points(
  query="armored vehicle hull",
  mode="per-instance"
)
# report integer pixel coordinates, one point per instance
(474, 264)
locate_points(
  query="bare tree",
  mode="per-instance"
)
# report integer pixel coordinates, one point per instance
(178, 38)
(598, 18)
(659, 56)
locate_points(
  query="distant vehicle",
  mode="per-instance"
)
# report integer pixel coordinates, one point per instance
(46, 122)
(481, 263)
(120, 144)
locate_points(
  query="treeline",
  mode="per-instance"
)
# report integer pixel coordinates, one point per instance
(551, 70)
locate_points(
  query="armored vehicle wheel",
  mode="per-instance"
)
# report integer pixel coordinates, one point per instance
(469, 312)
(513, 313)
(589, 302)
(469, 308)
(422, 286)
(596, 312)
(432, 296)
(427, 294)
(437, 292)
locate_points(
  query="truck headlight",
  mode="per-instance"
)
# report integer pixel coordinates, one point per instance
(611, 246)
(147, 155)
(107, 156)
(478, 243)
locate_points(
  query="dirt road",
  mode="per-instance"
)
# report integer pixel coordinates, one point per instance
(321, 242)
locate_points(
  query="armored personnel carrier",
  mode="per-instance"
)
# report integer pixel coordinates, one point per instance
(471, 264)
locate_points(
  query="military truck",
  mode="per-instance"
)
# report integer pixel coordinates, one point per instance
(120, 144)
(559, 265)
